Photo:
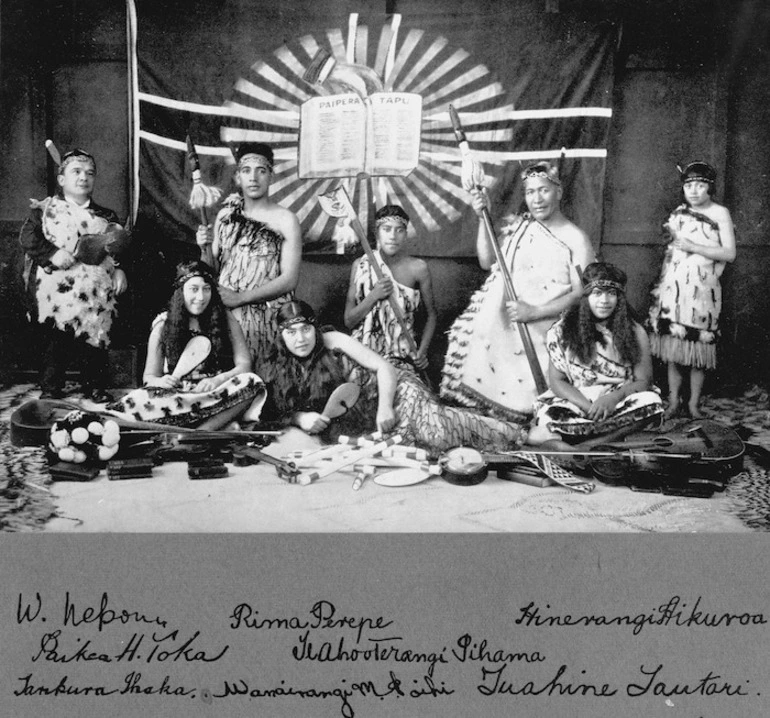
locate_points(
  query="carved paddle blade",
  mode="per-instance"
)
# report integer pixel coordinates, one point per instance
(194, 354)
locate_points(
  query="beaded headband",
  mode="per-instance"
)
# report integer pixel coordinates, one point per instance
(603, 284)
(75, 156)
(194, 273)
(698, 171)
(537, 171)
(394, 219)
(261, 160)
(295, 320)
(697, 178)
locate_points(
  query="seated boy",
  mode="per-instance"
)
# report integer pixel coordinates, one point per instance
(368, 311)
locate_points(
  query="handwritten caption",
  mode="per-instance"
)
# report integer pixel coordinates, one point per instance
(324, 652)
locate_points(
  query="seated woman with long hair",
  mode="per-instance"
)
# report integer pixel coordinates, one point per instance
(309, 362)
(600, 369)
(218, 390)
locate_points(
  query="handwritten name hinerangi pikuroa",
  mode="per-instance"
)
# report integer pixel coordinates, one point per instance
(674, 613)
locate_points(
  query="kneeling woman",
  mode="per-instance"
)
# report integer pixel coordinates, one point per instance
(600, 370)
(219, 389)
(308, 363)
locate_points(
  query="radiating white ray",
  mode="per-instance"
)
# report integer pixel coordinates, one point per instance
(323, 219)
(381, 192)
(290, 61)
(287, 84)
(413, 37)
(395, 26)
(310, 45)
(273, 117)
(350, 48)
(363, 202)
(337, 44)
(443, 69)
(434, 49)
(472, 98)
(258, 93)
(422, 211)
(362, 45)
(453, 188)
(467, 78)
(436, 199)
(456, 170)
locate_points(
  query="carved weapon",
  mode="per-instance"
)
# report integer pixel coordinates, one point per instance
(472, 178)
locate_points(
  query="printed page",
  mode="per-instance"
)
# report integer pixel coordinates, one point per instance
(393, 133)
(332, 136)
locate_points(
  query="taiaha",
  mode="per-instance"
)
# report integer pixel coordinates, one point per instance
(202, 195)
(336, 203)
(473, 178)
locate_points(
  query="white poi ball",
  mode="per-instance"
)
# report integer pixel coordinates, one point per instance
(80, 435)
(107, 452)
(111, 425)
(110, 438)
(95, 428)
(60, 439)
(67, 453)
(80, 456)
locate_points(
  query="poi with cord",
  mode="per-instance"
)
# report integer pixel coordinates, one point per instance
(32, 421)
(473, 178)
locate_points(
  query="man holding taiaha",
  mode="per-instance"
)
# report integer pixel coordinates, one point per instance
(256, 248)
(486, 367)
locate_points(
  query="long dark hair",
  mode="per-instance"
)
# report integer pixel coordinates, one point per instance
(579, 330)
(213, 321)
(301, 383)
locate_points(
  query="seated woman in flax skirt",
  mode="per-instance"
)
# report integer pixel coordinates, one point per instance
(217, 391)
(600, 369)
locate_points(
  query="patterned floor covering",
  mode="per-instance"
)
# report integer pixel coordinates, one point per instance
(29, 502)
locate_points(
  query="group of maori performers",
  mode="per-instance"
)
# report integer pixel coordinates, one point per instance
(265, 358)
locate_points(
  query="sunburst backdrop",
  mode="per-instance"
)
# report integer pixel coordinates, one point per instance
(264, 105)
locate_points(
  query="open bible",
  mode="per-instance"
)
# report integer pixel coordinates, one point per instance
(344, 135)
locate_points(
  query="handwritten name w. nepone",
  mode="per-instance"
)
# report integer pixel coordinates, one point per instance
(102, 615)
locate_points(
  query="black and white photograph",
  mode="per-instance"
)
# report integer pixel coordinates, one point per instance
(384, 358)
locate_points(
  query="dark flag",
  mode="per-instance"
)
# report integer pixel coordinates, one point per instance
(525, 82)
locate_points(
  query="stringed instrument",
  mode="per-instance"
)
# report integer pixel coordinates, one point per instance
(694, 459)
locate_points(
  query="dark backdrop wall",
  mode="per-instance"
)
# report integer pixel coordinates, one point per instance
(692, 80)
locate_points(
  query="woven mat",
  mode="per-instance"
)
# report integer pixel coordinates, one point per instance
(26, 502)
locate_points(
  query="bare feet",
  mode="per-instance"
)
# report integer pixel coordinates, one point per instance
(695, 411)
(539, 434)
(673, 409)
